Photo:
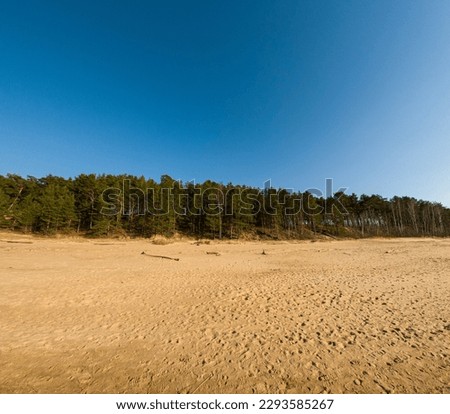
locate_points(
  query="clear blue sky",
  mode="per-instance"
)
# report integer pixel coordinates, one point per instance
(240, 91)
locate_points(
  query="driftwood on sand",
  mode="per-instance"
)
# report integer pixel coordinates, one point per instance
(199, 242)
(17, 241)
(215, 253)
(161, 257)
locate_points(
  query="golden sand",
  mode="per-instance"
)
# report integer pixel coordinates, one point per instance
(97, 316)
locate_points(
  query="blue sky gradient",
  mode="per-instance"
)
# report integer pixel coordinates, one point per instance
(239, 91)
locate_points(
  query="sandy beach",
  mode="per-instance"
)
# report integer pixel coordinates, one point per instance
(97, 316)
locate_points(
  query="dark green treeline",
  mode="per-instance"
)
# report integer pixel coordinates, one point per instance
(107, 205)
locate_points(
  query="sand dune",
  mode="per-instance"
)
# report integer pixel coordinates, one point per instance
(86, 316)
